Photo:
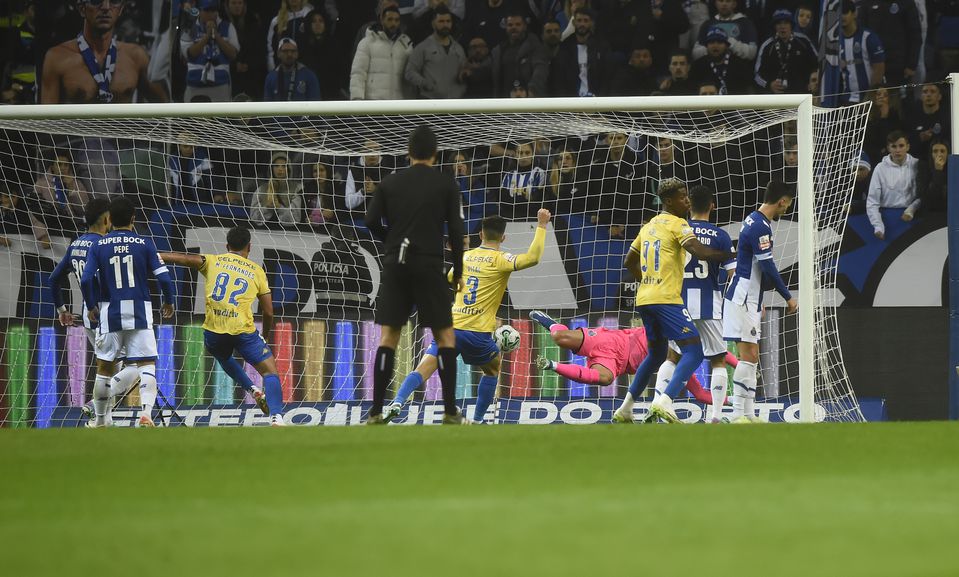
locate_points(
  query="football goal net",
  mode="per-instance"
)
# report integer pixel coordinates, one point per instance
(300, 176)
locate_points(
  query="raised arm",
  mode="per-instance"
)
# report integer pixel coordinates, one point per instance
(703, 252)
(183, 259)
(535, 253)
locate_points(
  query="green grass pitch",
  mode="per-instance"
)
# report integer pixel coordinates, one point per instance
(783, 500)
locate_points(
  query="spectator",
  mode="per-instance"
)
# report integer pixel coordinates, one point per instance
(209, 47)
(565, 15)
(944, 19)
(884, 117)
(477, 73)
(566, 193)
(806, 21)
(861, 56)
(521, 189)
(861, 187)
(897, 24)
(15, 218)
(191, 174)
(473, 188)
(319, 53)
(362, 178)
(708, 88)
(322, 202)
(670, 166)
(613, 179)
(487, 19)
(678, 82)
(786, 59)
(380, 60)
(381, 5)
(520, 57)
(583, 66)
(636, 78)
(248, 69)
(285, 24)
(61, 196)
(457, 7)
(422, 27)
(552, 37)
(928, 120)
(729, 72)
(738, 28)
(658, 23)
(279, 199)
(893, 184)
(290, 81)
(932, 181)
(19, 82)
(697, 12)
(434, 66)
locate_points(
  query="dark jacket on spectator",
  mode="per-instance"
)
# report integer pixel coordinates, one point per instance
(487, 22)
(931, 186)
(252, 37)
(564, 76)
(632, 81)
(319, 54)
(792, 63)
(527, 62)
(731, 74)
(897, 24)
(626, 25)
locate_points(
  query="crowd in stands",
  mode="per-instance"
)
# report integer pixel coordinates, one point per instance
(893, 53)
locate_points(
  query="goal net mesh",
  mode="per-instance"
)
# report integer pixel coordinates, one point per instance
(301, 184)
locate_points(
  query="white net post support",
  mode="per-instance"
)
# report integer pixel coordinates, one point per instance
(807, 252)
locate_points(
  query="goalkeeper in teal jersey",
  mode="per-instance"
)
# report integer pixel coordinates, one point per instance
(486, 271)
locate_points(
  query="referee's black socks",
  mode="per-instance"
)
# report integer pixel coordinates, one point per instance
(382, 374)
(447, 369)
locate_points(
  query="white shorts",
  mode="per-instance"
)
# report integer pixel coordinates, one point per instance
(741, 323)
(711, 335)
(132, 345)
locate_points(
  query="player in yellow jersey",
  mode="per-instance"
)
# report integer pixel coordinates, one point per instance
(657, 258)
(233, 284)
(486, 272)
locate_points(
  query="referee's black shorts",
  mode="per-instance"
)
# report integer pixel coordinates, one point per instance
(420, 285)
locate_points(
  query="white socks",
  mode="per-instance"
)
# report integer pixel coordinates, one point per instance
(101, 400)
(663, 375)
(123, 381)
(148, 387)
(628, 402)
(718, 381)
(744, 390)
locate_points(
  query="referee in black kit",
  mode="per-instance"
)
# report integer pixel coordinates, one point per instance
(408, 211)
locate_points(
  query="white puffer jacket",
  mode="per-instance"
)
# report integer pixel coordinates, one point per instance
(378, 67)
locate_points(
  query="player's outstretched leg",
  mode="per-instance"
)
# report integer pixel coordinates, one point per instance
(692, 356)
(233, 369)
(656, 356)
(543, 319)
(411, 383)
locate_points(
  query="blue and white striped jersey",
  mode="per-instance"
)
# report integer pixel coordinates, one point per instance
(702, 292)
(755, 245)
(857, 54)
(73, 262)
(116, 278)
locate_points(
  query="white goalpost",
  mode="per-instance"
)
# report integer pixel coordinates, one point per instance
(195, 170)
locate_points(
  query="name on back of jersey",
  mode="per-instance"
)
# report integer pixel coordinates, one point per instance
(122, 239)
(705, 235)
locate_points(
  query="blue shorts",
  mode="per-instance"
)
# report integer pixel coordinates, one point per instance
(251, 346)
(475, 347)
(671, 322)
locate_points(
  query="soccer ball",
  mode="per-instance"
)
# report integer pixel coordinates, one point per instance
(506, 338)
